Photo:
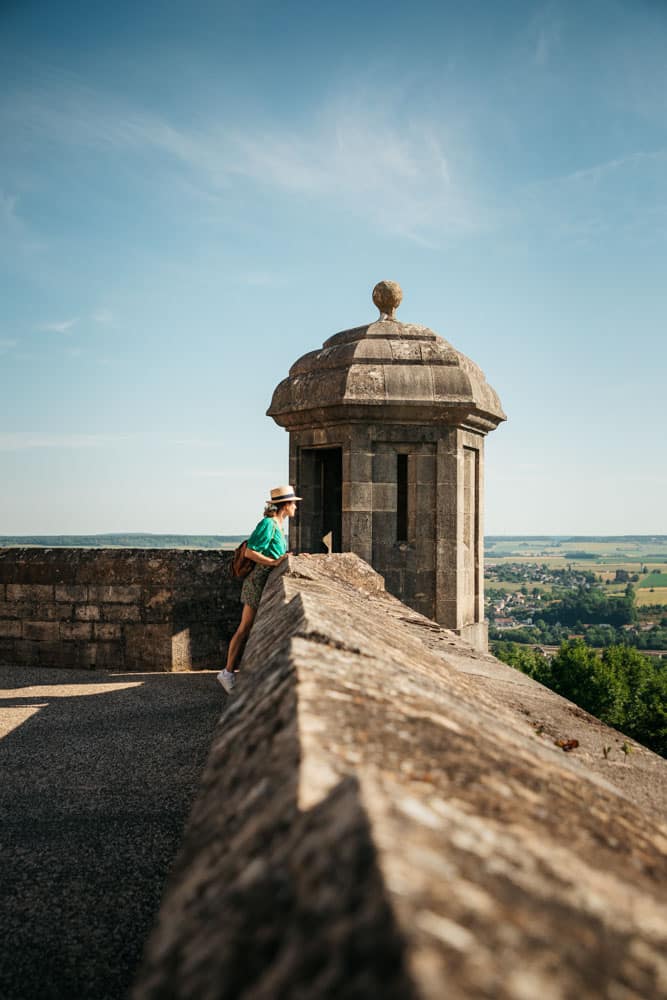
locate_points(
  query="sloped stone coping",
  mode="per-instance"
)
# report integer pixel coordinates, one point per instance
(380, 815)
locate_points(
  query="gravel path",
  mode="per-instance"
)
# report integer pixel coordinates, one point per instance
(97, 775)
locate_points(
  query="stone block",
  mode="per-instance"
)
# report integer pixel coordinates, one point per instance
(10, 629)
(357, 466)
(181, 650)
(76, 630)
(409, 383)
(425, 586)
(109, 656)
(384, 465)
(17, 609)
(425, 555)
(447, 613)
(20, 567)
(87, 612)
(50, 612)
(447, 525)
(393, 582)
(159, 614)
(384, 497)
(159, 598)
(357, 533)
(390, 555)
(86, 655)
(148, 647)
(115, 593)
(406, 350)
(425, 468)
(53, 653)
(121, 613)
(357, 496)
(450, 383)
(8, 652)
(71, 593)
(37, 592)
(106, 631)
(27, 652)
(425, 499)
(41, 631)
(384, 527)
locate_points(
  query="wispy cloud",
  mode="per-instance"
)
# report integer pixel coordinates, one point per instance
(59, 327)
(22, 440)
(548, 38)
(195, 442)
(6, 344)
(262, 279)
(103, 316)
(624, 195)
(15, 234)
(400, 170)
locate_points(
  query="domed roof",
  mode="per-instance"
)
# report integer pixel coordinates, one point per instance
(386, 371)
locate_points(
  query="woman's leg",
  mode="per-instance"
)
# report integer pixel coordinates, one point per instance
(240, 637)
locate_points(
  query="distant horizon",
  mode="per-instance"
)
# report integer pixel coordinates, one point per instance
(585, 536)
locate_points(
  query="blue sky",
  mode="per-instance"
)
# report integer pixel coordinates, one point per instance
(192, 195)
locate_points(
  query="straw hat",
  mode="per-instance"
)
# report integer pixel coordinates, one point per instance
(283, 494)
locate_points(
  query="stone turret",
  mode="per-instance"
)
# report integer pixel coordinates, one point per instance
(387, 424)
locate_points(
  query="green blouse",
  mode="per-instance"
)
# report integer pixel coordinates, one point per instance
(268, 539)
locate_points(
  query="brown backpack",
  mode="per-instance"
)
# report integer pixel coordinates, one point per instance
(241, 565)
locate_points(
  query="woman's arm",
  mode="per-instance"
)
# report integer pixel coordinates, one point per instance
(264, 560)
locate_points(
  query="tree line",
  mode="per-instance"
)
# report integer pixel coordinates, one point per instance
(620, 686)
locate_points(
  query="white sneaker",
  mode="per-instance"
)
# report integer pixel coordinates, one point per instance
(227, 680)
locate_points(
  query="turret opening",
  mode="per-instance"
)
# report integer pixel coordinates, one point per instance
(321, 485)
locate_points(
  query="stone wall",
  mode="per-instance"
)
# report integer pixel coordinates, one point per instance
(386, 812)
(116, 609)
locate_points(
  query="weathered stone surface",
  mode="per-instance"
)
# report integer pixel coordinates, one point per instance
(41, 630)
(378, 364)
(188, 597)
(120, 613)
(76, 630)
(87, 612)
(69, 593)
(10, 629)
(29, 592)
(384, 812)
(387, 296)
(115, 593)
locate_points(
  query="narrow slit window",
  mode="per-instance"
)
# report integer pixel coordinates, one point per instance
(401, 498)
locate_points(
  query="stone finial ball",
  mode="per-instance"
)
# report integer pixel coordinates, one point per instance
(387, 296)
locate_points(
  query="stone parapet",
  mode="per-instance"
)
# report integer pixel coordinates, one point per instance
(385, 812)
(116, 609)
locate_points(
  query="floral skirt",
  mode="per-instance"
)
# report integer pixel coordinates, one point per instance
(253, 585)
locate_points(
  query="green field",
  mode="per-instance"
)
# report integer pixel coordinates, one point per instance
(601, 556)
(559, 551)
(656, 596)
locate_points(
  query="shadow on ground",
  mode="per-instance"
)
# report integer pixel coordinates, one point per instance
(98, 775)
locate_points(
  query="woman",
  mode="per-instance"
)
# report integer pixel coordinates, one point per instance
(267, 548)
